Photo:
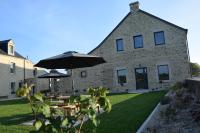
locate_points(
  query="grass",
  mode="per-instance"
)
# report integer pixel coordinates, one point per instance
(128, 113)
(13, 113)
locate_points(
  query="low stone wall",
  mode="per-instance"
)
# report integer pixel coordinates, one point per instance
(194, 85)
(182, 120)
(153, 118)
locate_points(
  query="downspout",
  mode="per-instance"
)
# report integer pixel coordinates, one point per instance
(24, 70)
(50, 84)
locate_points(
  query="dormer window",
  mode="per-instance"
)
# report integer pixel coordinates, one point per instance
(10, 50)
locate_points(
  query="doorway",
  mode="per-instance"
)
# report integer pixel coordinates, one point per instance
(141, 78)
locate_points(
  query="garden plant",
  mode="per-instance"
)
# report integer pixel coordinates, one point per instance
(56, 120)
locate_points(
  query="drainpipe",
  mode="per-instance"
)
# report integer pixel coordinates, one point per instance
(50, 84)
(24, 70)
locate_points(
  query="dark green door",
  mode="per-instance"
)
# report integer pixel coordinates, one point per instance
(141, 78)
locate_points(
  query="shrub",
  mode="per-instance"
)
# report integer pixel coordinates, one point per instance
(177, 86)
(59, 120)
(170, 113)
(195, 69)
(179, 93)
(188, 99)
(165, 100)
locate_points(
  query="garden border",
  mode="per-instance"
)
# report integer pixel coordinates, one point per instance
(150, 117)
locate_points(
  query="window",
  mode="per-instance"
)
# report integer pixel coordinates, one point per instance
(20, 84)
(10, 49)
(12, 87)
(120, 45)
(121, 75)
(35, 72)
(83, 74)
(138, 41)
(163, 72)
(12, 67)
(159, 38)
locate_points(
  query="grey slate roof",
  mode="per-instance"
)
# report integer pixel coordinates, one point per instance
(5, 41)
(18, 55)
(4, 53)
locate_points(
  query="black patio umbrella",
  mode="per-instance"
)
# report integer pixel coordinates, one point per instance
(53, 74)
(70, 60)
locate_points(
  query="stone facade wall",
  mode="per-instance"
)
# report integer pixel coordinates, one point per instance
(18, 76)
(174, 53)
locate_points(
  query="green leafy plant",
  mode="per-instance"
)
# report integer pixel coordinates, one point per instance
(195, 68)
(177, 86)
(56, 120)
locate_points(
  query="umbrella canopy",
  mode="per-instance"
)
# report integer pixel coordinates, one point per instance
(54, 74)
(70, 60)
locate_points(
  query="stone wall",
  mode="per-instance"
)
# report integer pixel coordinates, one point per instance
(194, 84)
(180, 115)
(18, 76)
(174, 53)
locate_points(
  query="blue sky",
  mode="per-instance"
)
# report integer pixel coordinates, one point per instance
(43, 28)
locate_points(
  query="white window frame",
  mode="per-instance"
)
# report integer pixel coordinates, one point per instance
(12, 49)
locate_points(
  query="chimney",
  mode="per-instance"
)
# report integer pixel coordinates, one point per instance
(134, 7)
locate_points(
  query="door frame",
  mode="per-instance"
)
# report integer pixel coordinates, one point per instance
(146, 76)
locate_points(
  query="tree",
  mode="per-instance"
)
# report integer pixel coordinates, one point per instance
(195, 69)
(56, 120)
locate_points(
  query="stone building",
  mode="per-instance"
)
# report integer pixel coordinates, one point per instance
(15, 70)
(142, 52)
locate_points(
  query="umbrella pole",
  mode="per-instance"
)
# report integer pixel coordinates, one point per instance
(72, 82)
(49, 83)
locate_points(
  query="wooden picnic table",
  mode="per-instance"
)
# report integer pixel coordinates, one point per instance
(50, 97)
(70, 109)
(63, 97)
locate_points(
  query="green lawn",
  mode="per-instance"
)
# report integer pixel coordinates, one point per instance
(13, 113)
(128, 113)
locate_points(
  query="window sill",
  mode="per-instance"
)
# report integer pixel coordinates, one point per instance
(120, 51)
(12, 73)
(161, 44)
(138, 48)
(124, 84)
(164, 81)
